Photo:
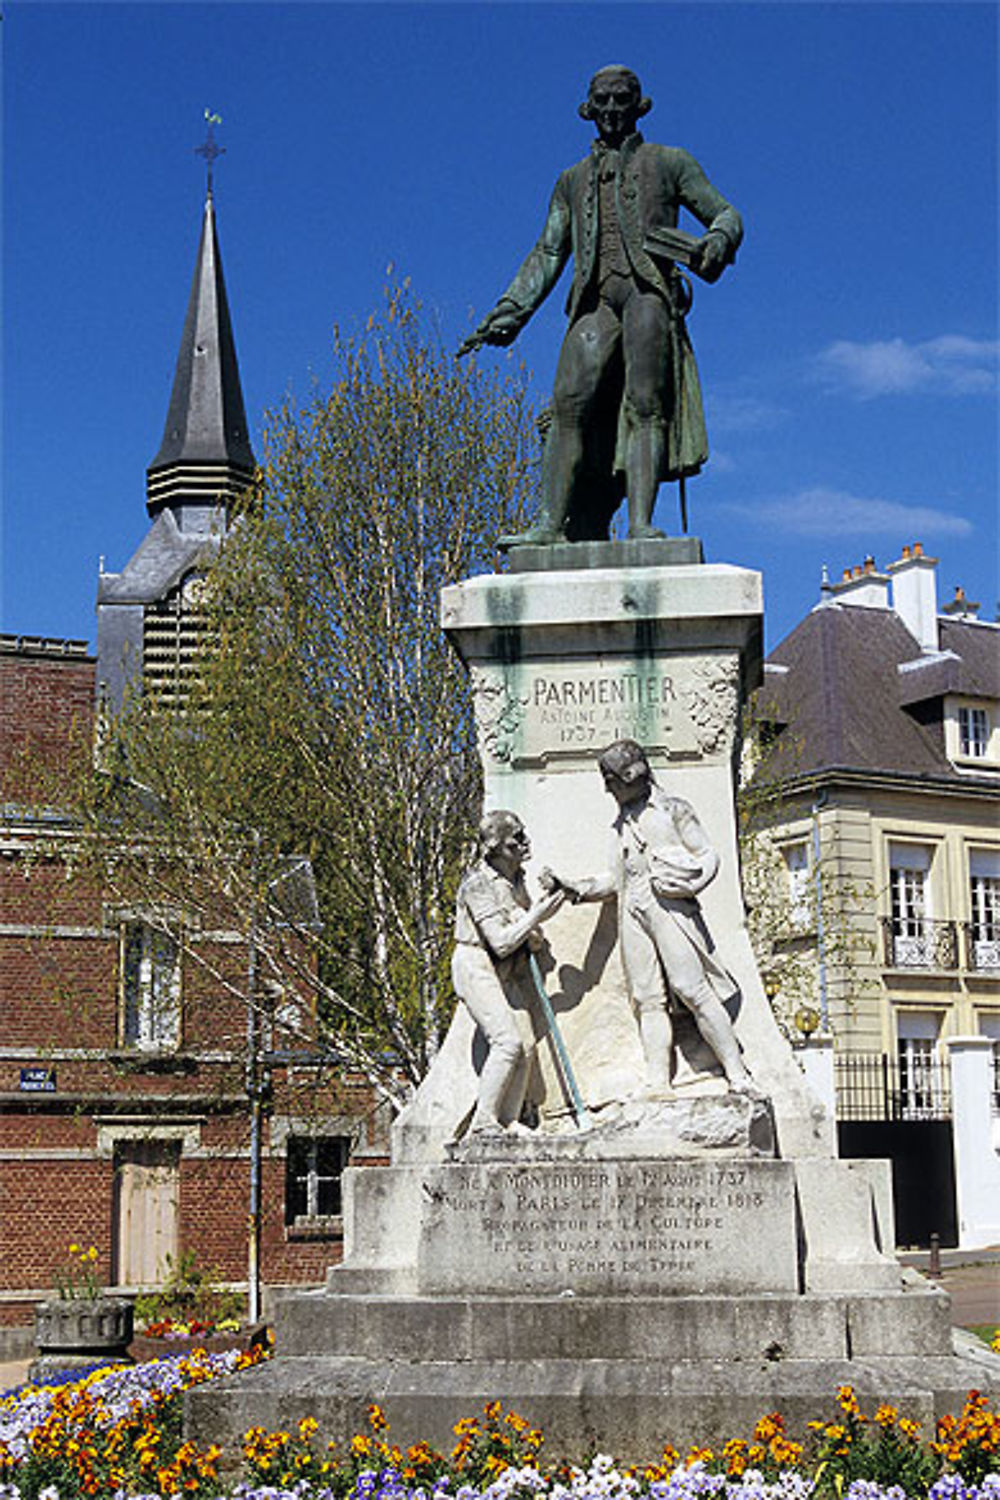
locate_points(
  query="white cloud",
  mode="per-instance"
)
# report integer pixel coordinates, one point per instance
(828, 512)
(743, 414)
(951, 365)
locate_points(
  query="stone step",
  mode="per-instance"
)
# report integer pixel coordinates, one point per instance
(775, 1326)
(628, 1407)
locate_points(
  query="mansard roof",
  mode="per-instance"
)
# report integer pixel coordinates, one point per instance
(852, 690)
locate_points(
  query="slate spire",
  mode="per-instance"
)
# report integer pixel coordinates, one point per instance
(205, 456)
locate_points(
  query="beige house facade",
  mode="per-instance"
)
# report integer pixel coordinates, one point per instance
(880, 714)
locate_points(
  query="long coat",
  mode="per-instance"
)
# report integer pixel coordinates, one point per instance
(652, 184)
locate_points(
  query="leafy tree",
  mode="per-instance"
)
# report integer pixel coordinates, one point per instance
(809, 937)
(327, 716)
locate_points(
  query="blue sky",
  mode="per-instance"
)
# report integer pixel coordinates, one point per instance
(848, 360)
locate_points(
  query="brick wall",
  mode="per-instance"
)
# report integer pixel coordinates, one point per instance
(47, 693)
(59, 988)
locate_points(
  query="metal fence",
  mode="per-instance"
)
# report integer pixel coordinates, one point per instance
(874, 1086)
(919, 943)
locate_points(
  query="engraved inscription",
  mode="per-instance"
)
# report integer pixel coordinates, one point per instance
(654, 1224)
(683, 707)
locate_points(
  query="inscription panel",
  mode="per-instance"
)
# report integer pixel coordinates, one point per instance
(643, 1226)
(536, 711)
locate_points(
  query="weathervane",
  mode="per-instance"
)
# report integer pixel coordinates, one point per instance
(211, 148)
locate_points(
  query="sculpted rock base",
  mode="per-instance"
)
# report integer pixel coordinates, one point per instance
(728, 1124)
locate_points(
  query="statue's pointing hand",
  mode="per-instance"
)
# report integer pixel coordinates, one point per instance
(501, 326)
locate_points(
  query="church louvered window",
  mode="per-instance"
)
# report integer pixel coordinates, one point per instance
(173, 628)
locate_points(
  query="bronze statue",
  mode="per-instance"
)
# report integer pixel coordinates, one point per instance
(626, 403)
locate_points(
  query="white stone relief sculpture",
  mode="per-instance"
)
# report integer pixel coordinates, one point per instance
(663, 859)
(499, 713)
(496, 928)
(711, 701)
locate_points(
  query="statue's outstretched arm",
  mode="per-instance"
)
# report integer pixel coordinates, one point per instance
(582, 887)
(537, 276)
(504, 937)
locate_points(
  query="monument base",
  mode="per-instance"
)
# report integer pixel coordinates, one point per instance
(616, 1303)
(681, 1261)
(620, 1375)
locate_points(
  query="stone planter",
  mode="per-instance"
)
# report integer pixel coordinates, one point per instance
(84, 1331)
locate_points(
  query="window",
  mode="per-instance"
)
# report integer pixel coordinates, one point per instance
(990, 1026)
(984, 904)
(973, 732)
(150, 987)
(909, 882)
(172, 628)
(798, 874)
(920, 1083)
(314, 1169)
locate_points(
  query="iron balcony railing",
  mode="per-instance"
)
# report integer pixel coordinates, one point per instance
(874, 1086)
(982, 947)
(923, 944)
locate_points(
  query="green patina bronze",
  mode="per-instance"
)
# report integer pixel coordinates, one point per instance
(626, 403)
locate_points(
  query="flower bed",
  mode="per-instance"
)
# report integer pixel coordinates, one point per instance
(117, 1434)
(170, 1336)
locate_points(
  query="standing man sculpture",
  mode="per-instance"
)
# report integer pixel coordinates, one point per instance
(663, 861)
(626, 403)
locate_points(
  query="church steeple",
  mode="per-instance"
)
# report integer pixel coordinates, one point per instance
(205, 458)
(148, 616)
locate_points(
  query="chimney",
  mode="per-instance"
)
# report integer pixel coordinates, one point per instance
(863, 585)
(960, 608)
(914, 594)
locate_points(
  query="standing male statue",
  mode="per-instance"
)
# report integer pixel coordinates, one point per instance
(626, 403)
(663, 860)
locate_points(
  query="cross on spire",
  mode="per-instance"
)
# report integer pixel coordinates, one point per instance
(210, 149)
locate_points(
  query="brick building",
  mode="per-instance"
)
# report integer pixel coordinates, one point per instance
(126, 1116)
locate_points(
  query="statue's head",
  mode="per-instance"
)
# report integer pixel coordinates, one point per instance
(625, 770)
(502, 836)
(615, 102)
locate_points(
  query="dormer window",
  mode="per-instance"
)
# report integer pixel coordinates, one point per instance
(973, 732)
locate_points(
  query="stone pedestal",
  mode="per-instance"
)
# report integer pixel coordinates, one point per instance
(675, 1266)
(562, 664)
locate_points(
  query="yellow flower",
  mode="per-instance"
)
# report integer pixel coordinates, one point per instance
(74, 1248)
(377, 1419)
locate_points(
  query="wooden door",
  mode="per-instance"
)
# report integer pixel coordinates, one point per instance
(147, 1180)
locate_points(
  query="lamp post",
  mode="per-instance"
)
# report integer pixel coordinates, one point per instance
(290, 901)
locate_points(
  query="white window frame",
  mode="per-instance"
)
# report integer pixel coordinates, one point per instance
(799, 877)
(984, 908)
(314, 1178)
(917, 1034)
(149, 985)
(910, 903)
(973, 731)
